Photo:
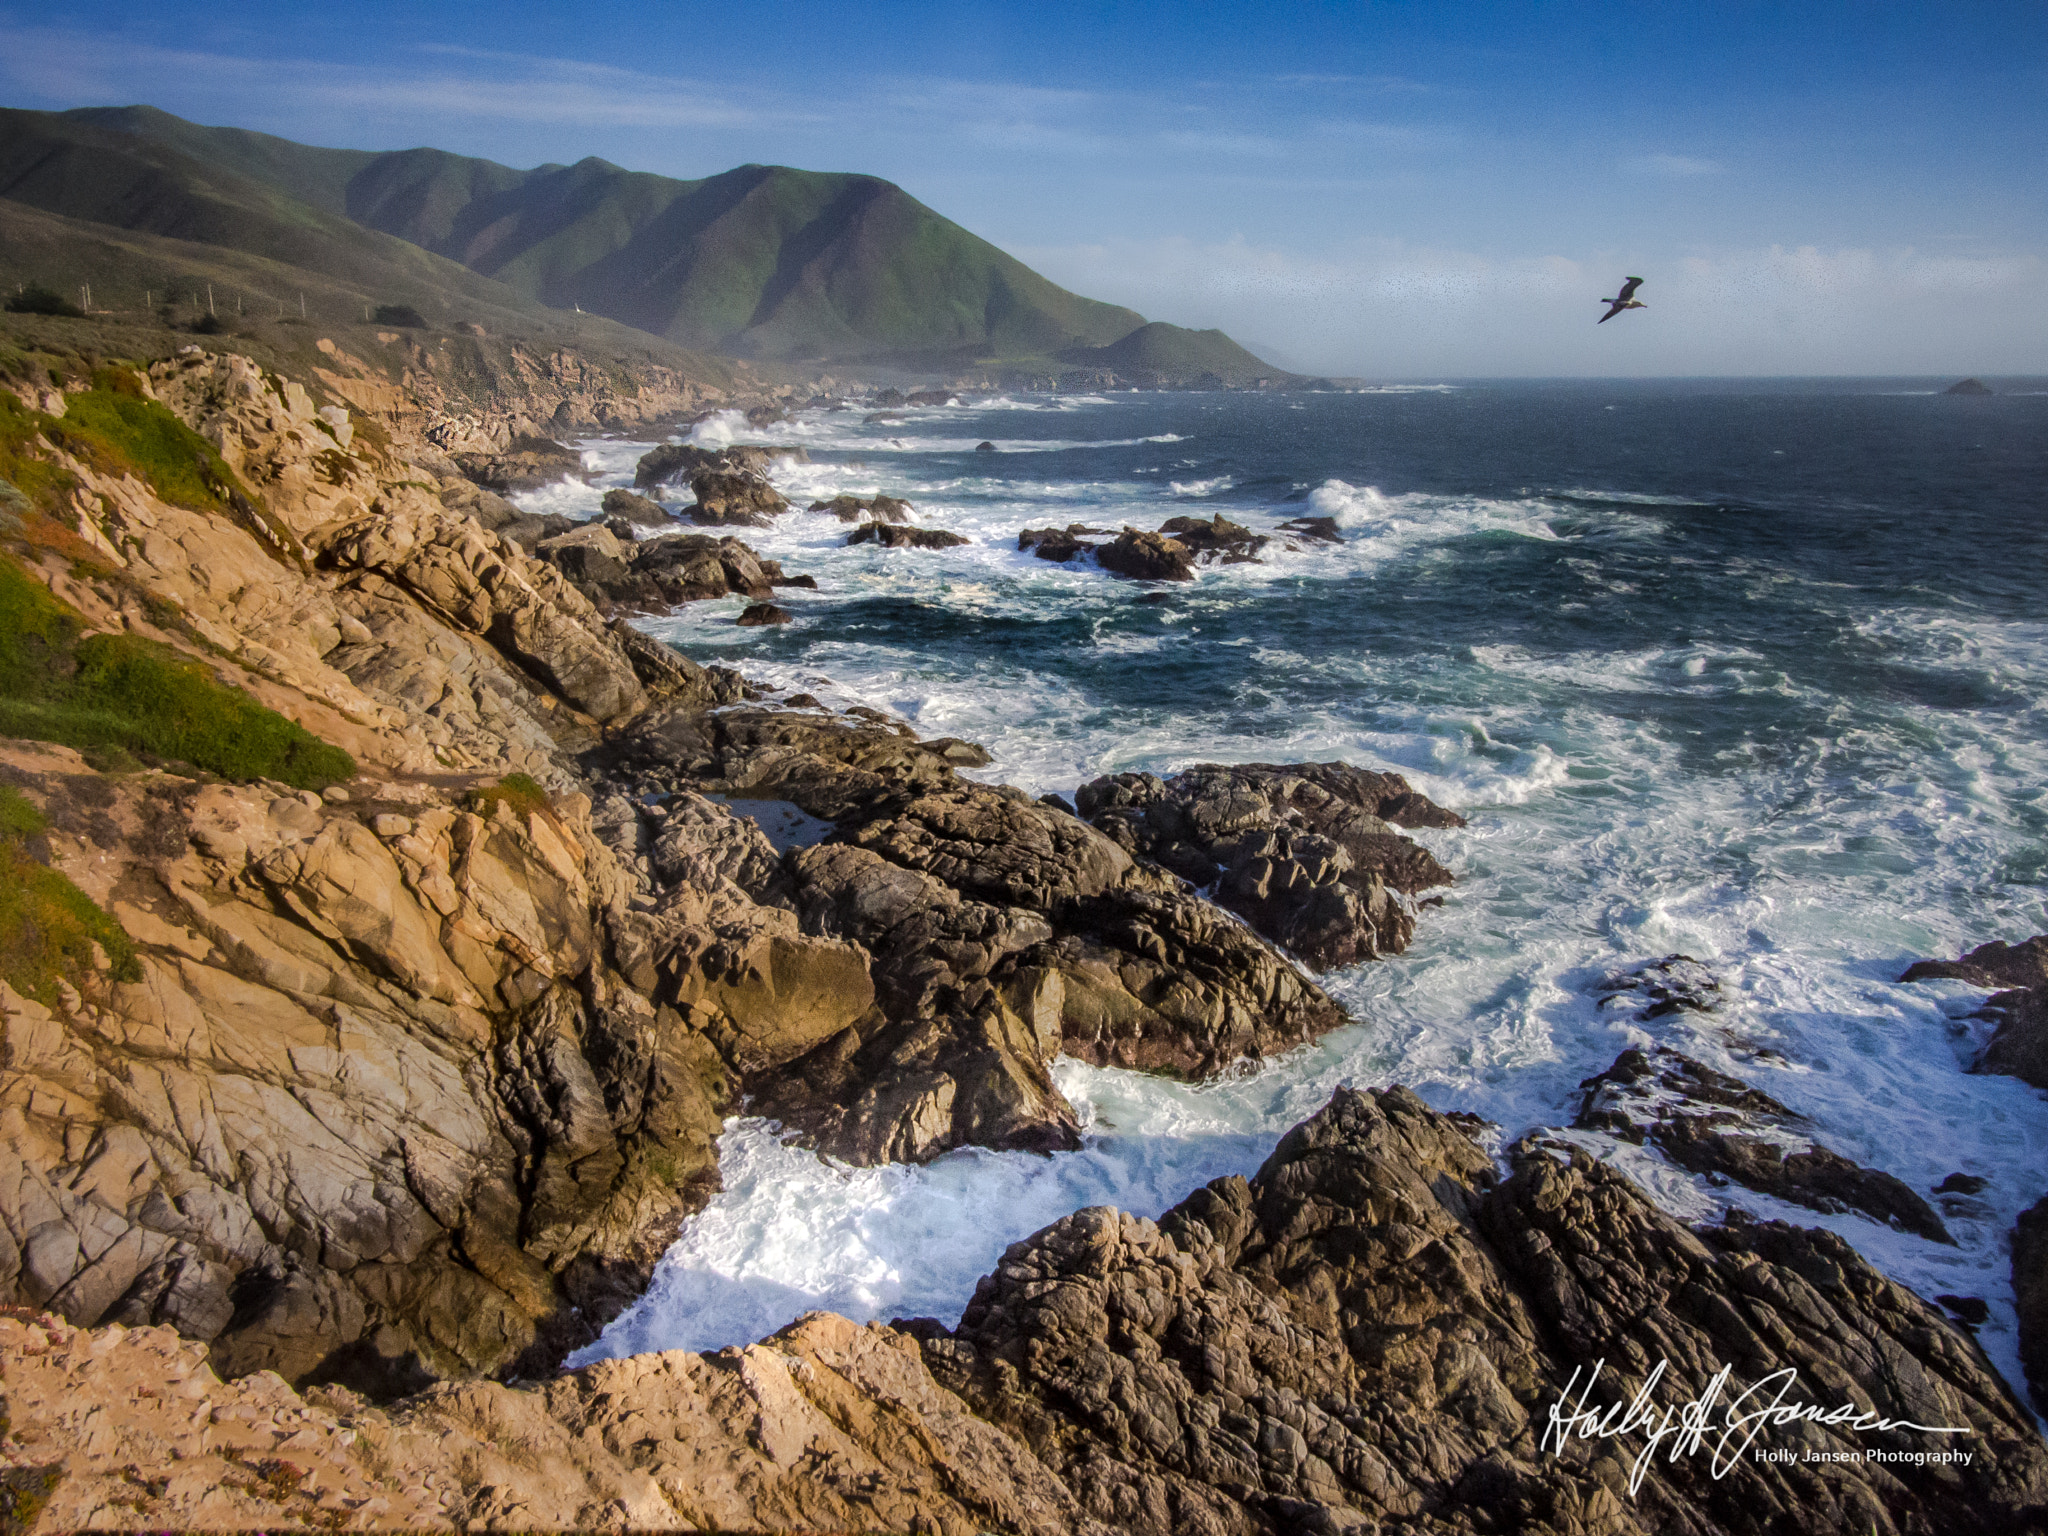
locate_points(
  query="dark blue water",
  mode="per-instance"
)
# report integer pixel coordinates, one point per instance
(1749, 671)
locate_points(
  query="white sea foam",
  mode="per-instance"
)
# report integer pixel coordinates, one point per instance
(1598, 840)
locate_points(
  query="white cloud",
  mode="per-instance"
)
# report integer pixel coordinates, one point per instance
(72, 67)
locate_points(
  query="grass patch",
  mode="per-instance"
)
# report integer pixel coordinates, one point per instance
(517, 790)
(116, 429)
(48, 926)
(123, 694)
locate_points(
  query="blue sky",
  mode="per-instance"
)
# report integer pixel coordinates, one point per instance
(1397, 190)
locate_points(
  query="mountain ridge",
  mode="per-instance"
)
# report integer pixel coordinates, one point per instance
(761, 261)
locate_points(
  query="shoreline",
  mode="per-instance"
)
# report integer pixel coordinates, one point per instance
(568, 990)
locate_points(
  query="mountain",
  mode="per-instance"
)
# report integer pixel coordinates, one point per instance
(149, 221)
(761, 261)
(1173, 352)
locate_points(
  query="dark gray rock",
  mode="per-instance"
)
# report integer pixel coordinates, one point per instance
(1710, 1123)
(902, 536)
(1141, 556)
(1307, 853)
(849, 508)
(1372, 1331)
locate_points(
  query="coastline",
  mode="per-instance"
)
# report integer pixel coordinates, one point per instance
(581, 986)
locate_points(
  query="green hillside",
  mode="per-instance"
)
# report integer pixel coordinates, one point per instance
(762, 261)
(151, 228)
(1173, 351)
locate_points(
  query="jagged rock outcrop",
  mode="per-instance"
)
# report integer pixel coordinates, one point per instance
(2018, 1048)
(1002, 931)
(521, 464)
(1143, 556)
(1708, 1122)
(734, 497)
(487, 588)
(1313, 530)
(825, 1426)
(682, 461)
(1056, 544)
(903, 536)
(638, 510)
(849, 508)
(1376, 1331)
(1376, 1327)
(657, 575)
(1215, 540)
(1307, 854)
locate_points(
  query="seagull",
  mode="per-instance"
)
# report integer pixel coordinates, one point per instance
(1626, 300)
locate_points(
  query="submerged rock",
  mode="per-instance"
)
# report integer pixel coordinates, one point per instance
(1710, 1123)
(849, 508)
(902, 536)
(1656, 988)
(1969, 387)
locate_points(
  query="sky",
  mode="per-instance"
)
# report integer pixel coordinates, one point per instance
(1386, 190)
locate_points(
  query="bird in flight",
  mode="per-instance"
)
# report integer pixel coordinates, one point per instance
(1626, 299)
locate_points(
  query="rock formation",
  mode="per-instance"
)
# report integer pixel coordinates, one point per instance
(1376, 1326)
(1145, 556)
(413, 1078)
(903, 536)
(1707, 1122)
(2018, 1048)
(1307, 854)
(1058, 544)
(1377, 1331)
(849, 508)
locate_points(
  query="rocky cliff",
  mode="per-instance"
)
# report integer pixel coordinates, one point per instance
(407, 1071)
(388, 932)
(1380, 1331)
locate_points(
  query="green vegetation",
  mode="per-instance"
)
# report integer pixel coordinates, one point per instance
(48, 926)
(35, 299)
(761, 261)
(123, 694)
(117, 431)
(403, 315)
(521, 793)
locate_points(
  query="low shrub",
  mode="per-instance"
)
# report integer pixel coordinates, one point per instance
(517, 790)
(401, 315)
(48, 926)
(121, 693)
(35, 299)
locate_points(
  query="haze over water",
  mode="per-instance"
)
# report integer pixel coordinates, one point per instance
(1749, 671)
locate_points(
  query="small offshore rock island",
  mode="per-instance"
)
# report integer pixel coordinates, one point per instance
(392, 927)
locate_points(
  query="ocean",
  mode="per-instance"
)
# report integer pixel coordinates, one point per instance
(1745, 670)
